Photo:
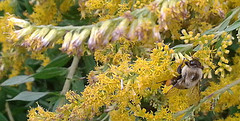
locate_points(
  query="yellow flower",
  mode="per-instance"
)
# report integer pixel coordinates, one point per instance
(66, 4)
(46, 13)
(5, 6)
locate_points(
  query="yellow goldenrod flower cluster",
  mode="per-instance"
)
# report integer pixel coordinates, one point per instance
(5, 6)
(133, 63)
(45, 12)
(228, 98)
(66, 4)
(12, 58)
(109, 9)
(219, 43)
(120, 87)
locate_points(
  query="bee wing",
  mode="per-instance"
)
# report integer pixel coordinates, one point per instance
(194, 93)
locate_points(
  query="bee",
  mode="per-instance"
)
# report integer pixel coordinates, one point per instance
(190, 74)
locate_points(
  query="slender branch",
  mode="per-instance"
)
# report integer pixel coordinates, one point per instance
(9, 112)
(220, 91)
(71, 72)
(75, 27)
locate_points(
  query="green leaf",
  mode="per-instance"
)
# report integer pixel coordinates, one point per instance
(89, 63)
(50, 73)
(10, 91)
(2, 117)
(197, 48)
(2, 100)
(235, 25)
(219, 43)
(225, 23)
(59, 61)
(17, 80)
(29, 96)
(61, 101)
(230, 91)
(78, 85)
(222, 26)
(182, 47)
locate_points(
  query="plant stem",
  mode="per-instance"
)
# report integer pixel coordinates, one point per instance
(71, 72)
(220, 91)
(9, 112)
(68, 28)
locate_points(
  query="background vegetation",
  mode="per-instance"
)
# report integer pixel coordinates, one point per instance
(110, 59)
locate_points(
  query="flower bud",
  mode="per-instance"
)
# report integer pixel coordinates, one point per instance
(213, 41)
(220, 64)
(104, 27)
(19, 22)
(42, 33)
(34, 34)
(219, 53)
(209, 74)
(120, 29)
(229, 42)
(186, 41)
(75, 37)
(107, 36)
(181, 56)
(131, 33)
(83, 36)
(187, 56)
(226, 51)
(156, 34)
(224, 46)
(66, 41)
(92, 40)
(49, 37)
(21, 33)
(184, 32)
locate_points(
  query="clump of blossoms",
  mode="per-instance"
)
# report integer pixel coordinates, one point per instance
(160, 19)
(110, 9)
(229, 98)
(120, 89)
(49, 12)
(127, 76)
(211, 44)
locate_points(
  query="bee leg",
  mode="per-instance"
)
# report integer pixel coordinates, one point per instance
(179, 69)
(175, 80)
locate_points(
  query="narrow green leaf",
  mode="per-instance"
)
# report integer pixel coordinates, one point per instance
(17, 80)
(182, 47)
(59, 61)
(230, 91)
(224, 24)
(2, 117)
(29, 96)
(10, 91)
(78, 85)
(197, 48)
(50, 73)
(218, 44)
(235, 25)
(89, 63)
(61, 101)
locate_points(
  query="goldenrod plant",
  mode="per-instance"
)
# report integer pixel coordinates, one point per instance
(118, 59)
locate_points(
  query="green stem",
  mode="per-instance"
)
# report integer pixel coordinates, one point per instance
(74, 27)
(9, 113)
(220, 91)
(71, 72)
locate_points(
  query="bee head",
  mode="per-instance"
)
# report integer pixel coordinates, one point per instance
(194, 63)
